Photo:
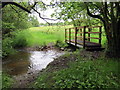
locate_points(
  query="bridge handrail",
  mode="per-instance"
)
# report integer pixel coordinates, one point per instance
(83, 33)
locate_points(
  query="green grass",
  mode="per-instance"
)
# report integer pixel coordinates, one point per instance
(83, 73)
(32, 37)
(37, 36)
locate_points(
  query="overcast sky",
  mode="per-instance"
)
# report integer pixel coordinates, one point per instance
(45, 14)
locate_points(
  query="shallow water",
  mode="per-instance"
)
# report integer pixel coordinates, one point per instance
(25, 62)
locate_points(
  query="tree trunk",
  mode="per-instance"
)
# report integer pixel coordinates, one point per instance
(110, 16)
(113, 48)
(113, 40)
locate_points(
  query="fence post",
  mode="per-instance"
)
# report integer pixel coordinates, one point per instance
(75, 36)
(100, 30)
(84, 36)
(69, 35)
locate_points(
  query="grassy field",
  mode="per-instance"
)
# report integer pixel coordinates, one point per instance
(40, 36)
(37, 36)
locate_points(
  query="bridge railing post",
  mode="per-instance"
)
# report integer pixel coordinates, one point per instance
(81, 33)
(75, 36)
(89, 29)
(69, 35)
(84, 32)
(100, 30)
(65, 35)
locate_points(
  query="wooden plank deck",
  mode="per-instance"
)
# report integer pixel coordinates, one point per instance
(87, 43)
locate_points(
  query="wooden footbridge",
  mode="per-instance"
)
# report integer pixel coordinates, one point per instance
(84, 36)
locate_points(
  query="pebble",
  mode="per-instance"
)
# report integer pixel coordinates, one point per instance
(62, 49)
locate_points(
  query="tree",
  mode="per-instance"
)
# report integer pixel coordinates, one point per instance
(76, 12)
(34, 21)
(14, 18)
(109, 14)
(31, 6)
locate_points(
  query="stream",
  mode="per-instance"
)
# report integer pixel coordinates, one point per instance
(25, 66)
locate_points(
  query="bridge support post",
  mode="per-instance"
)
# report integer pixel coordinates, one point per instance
(100, 30)
(65, 35)
(84, 30)
(69, 35)
(75, 36)
(89, 29)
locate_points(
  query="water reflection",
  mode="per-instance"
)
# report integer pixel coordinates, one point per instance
(24, 62)
(17, 63)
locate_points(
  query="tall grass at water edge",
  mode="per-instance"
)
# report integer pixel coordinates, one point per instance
(37, 36)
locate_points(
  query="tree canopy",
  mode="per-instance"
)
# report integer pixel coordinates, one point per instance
(107, 12)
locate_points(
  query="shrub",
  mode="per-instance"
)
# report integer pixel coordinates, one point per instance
(60, 44)
(7, 47)
(19, 41)
(7, 81)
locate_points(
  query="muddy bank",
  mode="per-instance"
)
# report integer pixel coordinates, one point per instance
(26, 65)
(62, 61)
(50, 46)
(24, 76)
(57, 64)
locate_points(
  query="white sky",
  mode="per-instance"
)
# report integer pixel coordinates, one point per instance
(46, 14)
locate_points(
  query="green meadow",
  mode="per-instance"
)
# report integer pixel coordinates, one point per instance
(40, 36)
(37, 36)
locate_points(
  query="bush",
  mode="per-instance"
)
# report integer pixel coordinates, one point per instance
(7, 27)
(7, 81)
(19, 39)
(60, 44)
(7, 47)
